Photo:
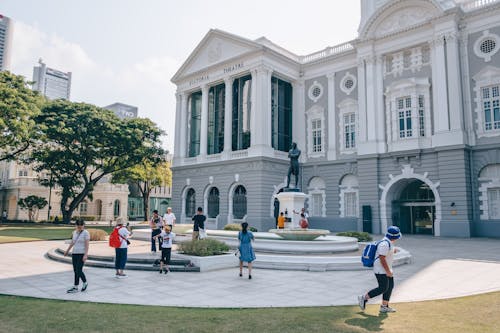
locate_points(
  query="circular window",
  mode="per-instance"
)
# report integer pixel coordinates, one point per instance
(349, 84)
(488, 46)
(315, 91)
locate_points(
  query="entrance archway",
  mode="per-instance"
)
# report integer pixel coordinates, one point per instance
(411, 201)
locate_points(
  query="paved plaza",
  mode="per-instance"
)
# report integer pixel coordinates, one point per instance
(441, 268)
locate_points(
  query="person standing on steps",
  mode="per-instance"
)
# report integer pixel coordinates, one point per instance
(246, 250)
(166, 248)
(382, 267)
(80, 244)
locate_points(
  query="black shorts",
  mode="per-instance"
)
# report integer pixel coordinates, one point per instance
(165, 255)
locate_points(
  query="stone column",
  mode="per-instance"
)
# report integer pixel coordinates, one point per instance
(439, 88)
(228, 117)
(362, 102)
(454, 82)
(204, 122)
(332, 119)
(380, 109)
(183, 136)
(261, 111)
(298, 114)
(371, 101)
(178, 128)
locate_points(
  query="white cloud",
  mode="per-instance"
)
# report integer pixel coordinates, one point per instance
(145, 84)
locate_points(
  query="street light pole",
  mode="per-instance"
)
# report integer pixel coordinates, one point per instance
(50, 195)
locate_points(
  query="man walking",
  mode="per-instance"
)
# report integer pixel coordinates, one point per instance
(169, 218)
(198, 223)
(382, 267)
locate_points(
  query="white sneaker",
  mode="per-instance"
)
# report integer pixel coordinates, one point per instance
(362, 302)
(72, 290)
(386, 309)
(122, 276)
(84, 287)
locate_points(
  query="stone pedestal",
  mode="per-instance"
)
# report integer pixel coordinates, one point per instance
(289, 202)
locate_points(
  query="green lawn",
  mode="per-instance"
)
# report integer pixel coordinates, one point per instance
(469, 314)
(29, 232)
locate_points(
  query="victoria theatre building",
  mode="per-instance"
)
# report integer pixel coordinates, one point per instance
(399, 126)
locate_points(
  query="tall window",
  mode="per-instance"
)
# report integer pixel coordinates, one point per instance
(281, 119)
(421, 115)
(316, 136)
(351, 204)
(404, 116)
(116, 209)
(213, 202)
(349, 190)
(350, 130)
(316, 189)
(83, 208)
(216, 106)
(240, 202)
(491, 107)
(190, 203)
(494, 203)
(194, 124)
(242, 111)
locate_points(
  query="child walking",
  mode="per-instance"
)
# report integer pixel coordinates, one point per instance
(166, 248)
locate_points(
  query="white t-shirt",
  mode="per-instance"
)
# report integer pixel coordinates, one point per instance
(124, 233)
(386, 250)
(79, 241)
(169, 218)
(167, 239)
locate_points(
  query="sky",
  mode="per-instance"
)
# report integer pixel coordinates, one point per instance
(128, 50)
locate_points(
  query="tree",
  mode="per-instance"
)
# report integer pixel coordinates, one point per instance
(146, 176)
(33, 204)
(80, 144)
(18, 107)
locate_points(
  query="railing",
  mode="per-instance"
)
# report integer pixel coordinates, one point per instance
(475, 4)
(329, 51)
(239, 154)
(215, 157)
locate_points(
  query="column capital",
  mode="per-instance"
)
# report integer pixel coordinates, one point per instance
(204, 88)
(228, 80)
(437, 41)
(331, 76)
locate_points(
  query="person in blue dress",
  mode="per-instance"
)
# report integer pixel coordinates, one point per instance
(246, 250)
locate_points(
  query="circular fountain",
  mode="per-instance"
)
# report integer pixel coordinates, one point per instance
(300, 234)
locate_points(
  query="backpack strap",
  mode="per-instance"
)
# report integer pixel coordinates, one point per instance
(380, 241)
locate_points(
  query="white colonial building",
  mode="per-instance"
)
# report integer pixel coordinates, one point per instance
(399, 126)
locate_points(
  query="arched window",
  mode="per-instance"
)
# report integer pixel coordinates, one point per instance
(240, 202)
(489, 192)
(190, 203)
(213, 202)
(317, 200)
(116, 209)
(349, 189)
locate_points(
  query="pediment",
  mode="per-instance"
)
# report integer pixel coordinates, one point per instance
(216, 47)
(488, 73)
(395, 16)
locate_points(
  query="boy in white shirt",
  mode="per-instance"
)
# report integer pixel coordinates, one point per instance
(382, 267)
(166, 248)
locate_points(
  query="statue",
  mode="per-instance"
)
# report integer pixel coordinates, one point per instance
(293, 154)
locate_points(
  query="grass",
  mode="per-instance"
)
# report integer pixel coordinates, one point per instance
(25, 233)
(468, 314)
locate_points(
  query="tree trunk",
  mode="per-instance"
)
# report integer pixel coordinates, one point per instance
(145, 191)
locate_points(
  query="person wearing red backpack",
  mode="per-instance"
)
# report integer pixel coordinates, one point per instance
(121, 252)
(382, 267)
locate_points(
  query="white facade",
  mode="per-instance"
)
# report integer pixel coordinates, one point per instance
(50, 82)
(410, 108)
(6, 32)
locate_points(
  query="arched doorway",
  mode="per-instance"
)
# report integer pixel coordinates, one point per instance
(413, 207)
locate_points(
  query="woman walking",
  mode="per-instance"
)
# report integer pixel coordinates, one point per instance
(80, 244)
(246, 250)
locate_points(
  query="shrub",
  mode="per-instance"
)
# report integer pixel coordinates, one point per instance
(97, 234)
(237, 227)
(84, 217)
(361, 236)
(203, 247)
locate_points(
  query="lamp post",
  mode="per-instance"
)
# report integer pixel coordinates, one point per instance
(50, 195)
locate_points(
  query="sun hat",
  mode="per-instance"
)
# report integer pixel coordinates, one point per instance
(393, 232)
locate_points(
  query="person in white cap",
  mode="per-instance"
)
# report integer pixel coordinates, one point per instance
(382, 267)
(169, 218)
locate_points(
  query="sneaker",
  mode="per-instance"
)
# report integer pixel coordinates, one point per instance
(362, 302)
(84, 287)
(122, 276)
(386, 309)
(72, 290)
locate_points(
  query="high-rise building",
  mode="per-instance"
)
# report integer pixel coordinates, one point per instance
(50, 82)
(5, 41)
(123, 110)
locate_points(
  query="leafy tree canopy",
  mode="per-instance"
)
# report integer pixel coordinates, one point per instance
(81, 144)
(32, 203)
(18, 106)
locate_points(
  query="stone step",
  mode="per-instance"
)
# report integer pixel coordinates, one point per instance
(58, 255)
